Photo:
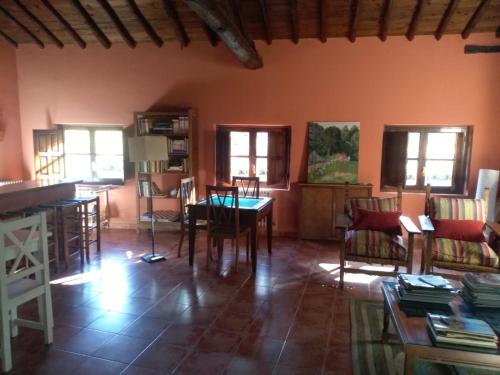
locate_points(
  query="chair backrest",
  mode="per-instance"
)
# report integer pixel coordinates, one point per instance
(453, 208)
(223, 207)
(248, 186)
(24, 244)
(188, 195)
(386, 204)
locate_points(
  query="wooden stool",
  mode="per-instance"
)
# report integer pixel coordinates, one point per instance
(70, 230)
(91, 222)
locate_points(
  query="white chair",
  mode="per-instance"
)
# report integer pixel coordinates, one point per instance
(24, 276)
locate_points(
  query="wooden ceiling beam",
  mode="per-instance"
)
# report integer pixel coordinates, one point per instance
(473, 48)
(475, 18)
(353, 20)
(153, 35)
(228, 32)
(415, 19)
(12, 42)
(294, 19)
(22, 26)
(101, 37)
(443, 24)
(323, 21)
(266, 21)
(118, 23)
(180, 31)
(36, 20)
(385, 15)
(238, 16)
(65, 23)
(212, 36)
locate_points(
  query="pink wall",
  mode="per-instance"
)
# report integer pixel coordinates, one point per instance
(11, 156)
(396, 82)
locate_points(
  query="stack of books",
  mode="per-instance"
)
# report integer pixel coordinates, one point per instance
(458, 332)
(482, 290)
(419, 294)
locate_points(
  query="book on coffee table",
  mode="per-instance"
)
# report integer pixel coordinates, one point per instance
(454, 330)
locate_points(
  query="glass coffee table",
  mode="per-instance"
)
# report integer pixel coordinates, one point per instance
(417, 345)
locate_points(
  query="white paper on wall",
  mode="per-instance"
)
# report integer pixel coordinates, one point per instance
(488, 178)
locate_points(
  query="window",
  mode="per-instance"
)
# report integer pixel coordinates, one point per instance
(258, 151)
(94, 154)
(416, 156)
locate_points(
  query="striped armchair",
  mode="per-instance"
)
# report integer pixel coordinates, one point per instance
(453, 253)
(372, 246)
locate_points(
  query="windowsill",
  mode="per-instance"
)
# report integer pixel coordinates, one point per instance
(116, 182)
(422, 192)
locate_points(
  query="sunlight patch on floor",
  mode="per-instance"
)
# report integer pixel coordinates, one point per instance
(78, 279)
(110, 274)
(329, 266)
(358, 278)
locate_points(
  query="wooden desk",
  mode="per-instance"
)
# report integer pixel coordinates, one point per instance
(413, 335)
(252, 210)
(33, 193)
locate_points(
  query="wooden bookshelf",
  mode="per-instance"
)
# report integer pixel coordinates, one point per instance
(178, 126)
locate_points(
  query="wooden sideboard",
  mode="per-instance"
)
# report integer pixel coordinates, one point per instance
(320, 204)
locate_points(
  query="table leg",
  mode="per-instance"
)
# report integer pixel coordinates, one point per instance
(269, 222)
(98, 223)
(386, 322)
(410, 362)
(192, 235)
(253, 244)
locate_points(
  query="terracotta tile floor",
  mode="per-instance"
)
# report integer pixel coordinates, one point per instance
(119, 315)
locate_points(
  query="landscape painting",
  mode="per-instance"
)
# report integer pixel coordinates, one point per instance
(333, 151)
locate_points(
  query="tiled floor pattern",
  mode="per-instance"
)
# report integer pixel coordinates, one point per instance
(119, 315)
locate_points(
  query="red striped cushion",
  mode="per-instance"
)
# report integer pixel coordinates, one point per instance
(373, 204)
(464, 252)
(375, 244)
(457, 209)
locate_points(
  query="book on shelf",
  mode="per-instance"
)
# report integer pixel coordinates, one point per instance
(178, 164)
(181, 125)
(157, 166)
(146, 191)
(460, 331)
(162, 125)
(178, 146)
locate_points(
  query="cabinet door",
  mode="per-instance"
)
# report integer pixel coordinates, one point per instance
(317, 209)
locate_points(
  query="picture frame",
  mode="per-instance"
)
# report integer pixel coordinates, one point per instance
(333, 152)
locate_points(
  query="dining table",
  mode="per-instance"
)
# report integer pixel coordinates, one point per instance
(251, 211)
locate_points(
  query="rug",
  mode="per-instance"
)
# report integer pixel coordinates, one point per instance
(372, 357)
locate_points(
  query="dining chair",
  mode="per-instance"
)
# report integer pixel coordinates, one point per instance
(249, 187)
(454, 235)
(188, 196)
(223, 220)
(24, 276)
